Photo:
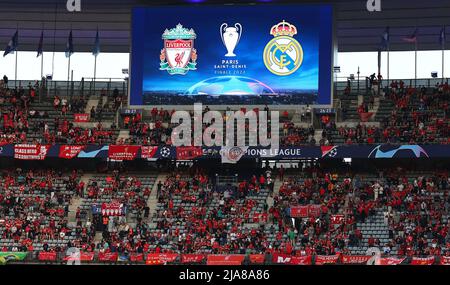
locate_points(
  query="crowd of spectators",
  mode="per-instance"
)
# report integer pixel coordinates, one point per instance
(419, 115)
(25, 121)
(34, 206)
(196, 216)
(415, 210)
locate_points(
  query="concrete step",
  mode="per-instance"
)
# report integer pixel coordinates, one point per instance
(75, 203)
(98, 237)
(318, 135)
(123, 135)
(152, 201)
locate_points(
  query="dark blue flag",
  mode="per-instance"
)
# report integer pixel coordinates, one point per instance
(40, 48)
(385, 39)
(96, 50)
(442, 37)
(13, 44)
(69, 45)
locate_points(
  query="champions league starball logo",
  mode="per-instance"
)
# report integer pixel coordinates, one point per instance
(165, 152)
(178, 55)
(398, 151)
(283, 55)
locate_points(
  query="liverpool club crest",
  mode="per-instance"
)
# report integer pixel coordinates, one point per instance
(178, 55)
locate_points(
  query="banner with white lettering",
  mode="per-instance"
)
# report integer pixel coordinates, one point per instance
(291, 260)
(422, 260)
(326, 259)
(30, 151)
(390, 260)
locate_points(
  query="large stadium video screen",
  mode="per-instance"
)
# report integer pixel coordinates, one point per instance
(232, 55)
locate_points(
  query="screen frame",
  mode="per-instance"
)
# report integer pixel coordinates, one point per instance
(333, 58)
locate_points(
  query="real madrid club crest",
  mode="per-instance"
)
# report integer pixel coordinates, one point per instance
(283, 55)
(178, 55)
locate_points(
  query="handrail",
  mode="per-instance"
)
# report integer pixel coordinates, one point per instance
(89, 86)
(84, 87)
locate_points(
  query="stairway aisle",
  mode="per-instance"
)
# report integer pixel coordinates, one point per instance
(77, 201)
(153, 200)
(375, 227)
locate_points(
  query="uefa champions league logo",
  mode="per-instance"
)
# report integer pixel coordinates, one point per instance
(165, 152)
(230, 37)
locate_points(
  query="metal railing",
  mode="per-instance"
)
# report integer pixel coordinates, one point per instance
(91, 87)
(363, 84)
(85, 87)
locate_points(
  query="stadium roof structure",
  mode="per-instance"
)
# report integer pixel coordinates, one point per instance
(356, 28)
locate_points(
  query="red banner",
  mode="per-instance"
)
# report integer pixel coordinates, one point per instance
(327, 149)
(326, 259)
(445, 260)
(70, 151)
(232, 259)
(188, 152)
(355, 259)
(84, 256)
(113, 209)
(257, 258)
(305, 211)
(337, 219)
(47, 256)
(299, 211)
(292, 260)
(314, 211)
(148, 151)
(301, 260)
(81, 118)
(422, 261)
(192, 258)
(108, 256)
(390, 260)
(30, 151)
(123, 152)
(160, 258)
(136, 257)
